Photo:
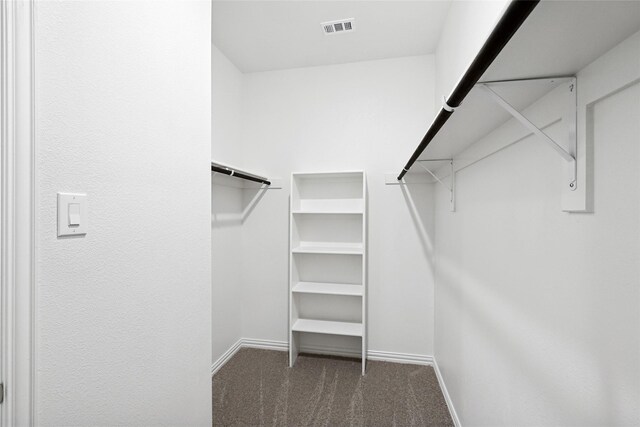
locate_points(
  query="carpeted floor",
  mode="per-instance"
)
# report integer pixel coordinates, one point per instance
(256, 388)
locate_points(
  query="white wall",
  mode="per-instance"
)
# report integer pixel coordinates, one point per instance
(123, 114)
(537, 319)
(366, 115)
(226, 205)
(468, 24)
(226, 109)
(227, 264)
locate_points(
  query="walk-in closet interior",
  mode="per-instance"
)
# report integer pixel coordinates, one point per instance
(444, 185)
(320, 213)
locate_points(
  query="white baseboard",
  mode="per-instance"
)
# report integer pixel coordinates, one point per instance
(387, 356)
(445, 393)
(225, 357)
(382, 356)
(247, 343)
(265, 344)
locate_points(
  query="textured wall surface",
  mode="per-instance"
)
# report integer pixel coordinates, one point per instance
(123, 114)
(227, 261)
(226, 109)
(536, 305)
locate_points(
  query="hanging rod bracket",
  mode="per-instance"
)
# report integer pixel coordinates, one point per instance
(451, 187)
(567, 150)
(446, 107)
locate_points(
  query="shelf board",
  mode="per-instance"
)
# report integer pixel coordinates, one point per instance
(328, 327)
(329, 175)
(327, 288)
(328, 212)
(334, 250)
(546, 45)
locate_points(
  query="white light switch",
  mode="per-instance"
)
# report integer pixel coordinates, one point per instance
(72, 214)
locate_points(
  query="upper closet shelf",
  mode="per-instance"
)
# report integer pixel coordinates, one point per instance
(237, 173)
(535, 48)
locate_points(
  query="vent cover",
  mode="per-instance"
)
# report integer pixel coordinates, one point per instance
(339, 26)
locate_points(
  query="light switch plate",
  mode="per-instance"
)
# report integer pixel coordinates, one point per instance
(72, 214)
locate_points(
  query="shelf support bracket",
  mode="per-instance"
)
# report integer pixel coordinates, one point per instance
(569, 117)
(451, 187)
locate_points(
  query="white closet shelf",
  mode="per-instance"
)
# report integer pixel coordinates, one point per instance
(328, 288)
(545, 46)
(328, 327)
(328, 212)
(331, 250)
(328, 174)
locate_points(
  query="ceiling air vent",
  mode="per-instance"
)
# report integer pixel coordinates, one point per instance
(339, 26)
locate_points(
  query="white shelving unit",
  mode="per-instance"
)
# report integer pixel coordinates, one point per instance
(544, 50)
(327, 280)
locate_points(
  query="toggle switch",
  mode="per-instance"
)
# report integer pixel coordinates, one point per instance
(72, 214)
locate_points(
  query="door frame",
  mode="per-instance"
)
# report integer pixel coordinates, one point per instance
(17, 213)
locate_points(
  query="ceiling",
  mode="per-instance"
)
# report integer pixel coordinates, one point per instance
(272, 35)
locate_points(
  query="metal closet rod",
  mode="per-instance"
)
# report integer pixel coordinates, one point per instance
(514, 16)
(238, 174)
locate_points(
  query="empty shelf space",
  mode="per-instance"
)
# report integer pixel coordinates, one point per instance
(329, 205)
(322, 249)
(328, 327)
(328, 192)
(327, 268)
(327, 230)
(328, 288)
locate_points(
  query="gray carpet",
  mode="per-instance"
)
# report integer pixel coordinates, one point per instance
(257, 388)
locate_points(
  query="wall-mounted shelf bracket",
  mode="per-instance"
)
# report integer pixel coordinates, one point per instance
(452, 179)
(566, 150)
